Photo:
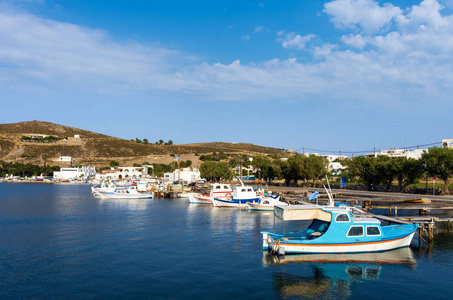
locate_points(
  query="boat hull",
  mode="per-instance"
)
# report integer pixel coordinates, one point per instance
(354, 247)
(233, 202)
(199, 199)
(257, 206)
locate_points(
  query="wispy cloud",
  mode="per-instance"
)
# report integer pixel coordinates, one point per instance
(295, 41)
(409, 61)
(258, 29)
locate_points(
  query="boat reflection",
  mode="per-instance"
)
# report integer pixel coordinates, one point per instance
(128, 204)
(331, 274)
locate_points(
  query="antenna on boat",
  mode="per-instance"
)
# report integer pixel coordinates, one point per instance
(241, 181)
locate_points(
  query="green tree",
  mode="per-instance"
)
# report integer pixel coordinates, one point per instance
(114, 164)
(215, 171)
(145, 141)
(364, 168)
(170, 142)
(439, 162)
(207, 170)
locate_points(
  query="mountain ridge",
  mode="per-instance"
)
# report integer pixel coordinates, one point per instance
(99, 149)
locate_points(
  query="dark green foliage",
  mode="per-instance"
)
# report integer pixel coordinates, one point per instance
(300, 167)
(47, 139)
(114, 164)
(215, 171)
(19, 169)
(439, 162)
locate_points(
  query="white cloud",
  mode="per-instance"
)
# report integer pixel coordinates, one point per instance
(295, 41)
(258, 29)
(354, 40)
(367, 15)
(408, 64)
(42, 50)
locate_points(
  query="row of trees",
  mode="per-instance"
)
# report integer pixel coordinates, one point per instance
(47, 139)
(380, 170)
(146, 141)
(297, 167)
(384, 170)
(23, 170)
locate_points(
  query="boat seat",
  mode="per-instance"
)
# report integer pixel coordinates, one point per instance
(314, 235)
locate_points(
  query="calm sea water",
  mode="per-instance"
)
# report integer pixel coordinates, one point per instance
(58, 242)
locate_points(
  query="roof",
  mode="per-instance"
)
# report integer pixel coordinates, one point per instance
(302, 212)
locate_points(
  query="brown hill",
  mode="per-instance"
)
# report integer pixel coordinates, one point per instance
(99, 149)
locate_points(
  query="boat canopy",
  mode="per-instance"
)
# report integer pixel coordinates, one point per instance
(301, 212)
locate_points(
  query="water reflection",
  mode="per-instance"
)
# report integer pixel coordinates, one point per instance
(315, 276)
(128, 204)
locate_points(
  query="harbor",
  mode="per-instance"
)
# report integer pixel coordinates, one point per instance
(61, 242)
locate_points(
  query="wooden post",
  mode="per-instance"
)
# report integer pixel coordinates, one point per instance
(419, 237)
(396, 211)
(431, 231)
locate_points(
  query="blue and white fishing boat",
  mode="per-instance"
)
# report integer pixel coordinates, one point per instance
(240, 197)
(129, 192)
(335, 230)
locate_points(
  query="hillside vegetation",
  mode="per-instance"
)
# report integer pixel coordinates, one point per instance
(99, 149)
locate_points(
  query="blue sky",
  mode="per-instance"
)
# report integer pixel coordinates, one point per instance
(341, 75)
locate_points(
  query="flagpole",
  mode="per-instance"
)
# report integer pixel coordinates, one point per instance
(179, 162)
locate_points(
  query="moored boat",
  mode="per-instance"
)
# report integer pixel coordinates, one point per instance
(129, 192)
(217, 190)
(240, 197)
(266, 203)
(96, 190)
(335, 230)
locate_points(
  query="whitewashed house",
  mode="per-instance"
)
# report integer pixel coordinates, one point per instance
(83, 173)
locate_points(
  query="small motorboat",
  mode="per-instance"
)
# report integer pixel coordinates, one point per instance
(240, 197)
(217, 190)
(129, 192)
(266, 203)
(96, 190)
(335, 230)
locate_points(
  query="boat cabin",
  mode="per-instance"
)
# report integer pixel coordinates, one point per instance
(243, 192)
(220, 188)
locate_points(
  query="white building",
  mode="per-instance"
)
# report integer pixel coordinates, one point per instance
(187, 174)
(83, 173)
(395, 152)
(123, 173)
(447, 143)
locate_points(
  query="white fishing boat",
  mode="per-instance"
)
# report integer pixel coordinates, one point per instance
(217, 190)
(96, 190)
(240, 197)
(129, 192)
(266, 203)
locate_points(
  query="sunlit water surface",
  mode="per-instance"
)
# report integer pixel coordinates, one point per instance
(58, 242)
